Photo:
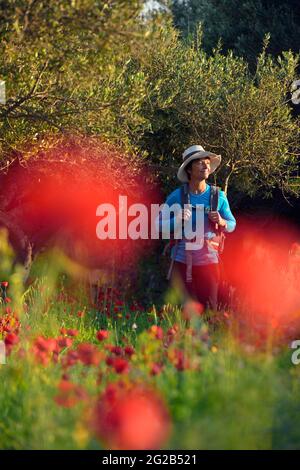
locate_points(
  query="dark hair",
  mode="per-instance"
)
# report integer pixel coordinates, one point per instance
(188, 168)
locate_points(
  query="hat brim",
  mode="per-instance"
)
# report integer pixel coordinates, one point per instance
(215, 161)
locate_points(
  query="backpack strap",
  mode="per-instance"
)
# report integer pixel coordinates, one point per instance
(185, 199)
(184, 194)
(214, 203)
(214, 198)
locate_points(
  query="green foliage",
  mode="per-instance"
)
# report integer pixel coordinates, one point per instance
(214, 100)
(67, 69)
(241, 25)
(101, 69)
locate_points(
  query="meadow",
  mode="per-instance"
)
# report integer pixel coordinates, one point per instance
(119, 375)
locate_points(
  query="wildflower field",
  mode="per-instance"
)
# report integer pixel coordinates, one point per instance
(119, 375)
(99, 103)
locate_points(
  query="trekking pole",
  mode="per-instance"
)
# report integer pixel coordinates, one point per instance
(173, 259)
(172, 262)
(184, 194)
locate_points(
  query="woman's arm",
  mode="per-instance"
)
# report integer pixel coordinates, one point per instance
(226, 214)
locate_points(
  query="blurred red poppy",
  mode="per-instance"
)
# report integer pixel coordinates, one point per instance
(131, 419)
(102, 335)
(88, 354)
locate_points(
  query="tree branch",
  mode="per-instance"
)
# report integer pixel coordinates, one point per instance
(29, 95)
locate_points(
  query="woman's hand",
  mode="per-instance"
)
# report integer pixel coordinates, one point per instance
(184, 214)
(215, 217)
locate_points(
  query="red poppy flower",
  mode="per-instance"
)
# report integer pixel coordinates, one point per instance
(7, 328)
(133, 419)
(109, 360)
(191, 309)
(172, 331)
(69, 394)
(72, 332)
(157, 332)
(179, 359)
(88, 354)
(11, 339)
(170, 336)
(102, 335)
(45, 350)
(117, 350)
(120, 365)
(70, 359)
(4, 284)
(64, 342)
(129, 351)
(133, 308)
(155, 369)
(45, 344)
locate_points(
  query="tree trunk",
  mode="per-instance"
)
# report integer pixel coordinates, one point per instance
(226, 184)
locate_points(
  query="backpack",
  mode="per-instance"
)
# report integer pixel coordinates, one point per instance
(216, 242)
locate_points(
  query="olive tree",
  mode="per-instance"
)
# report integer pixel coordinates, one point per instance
(215, 101)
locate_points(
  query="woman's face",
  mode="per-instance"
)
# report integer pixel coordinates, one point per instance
(200, 168)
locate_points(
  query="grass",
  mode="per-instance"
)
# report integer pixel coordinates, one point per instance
(220, 393)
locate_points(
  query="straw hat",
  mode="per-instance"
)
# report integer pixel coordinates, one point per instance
(194, 153)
